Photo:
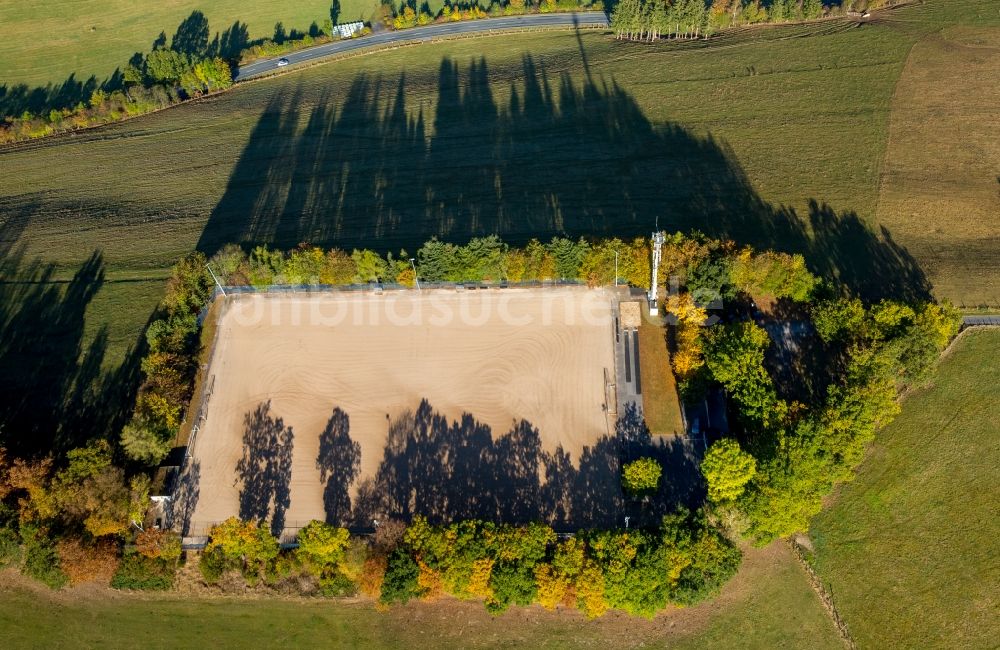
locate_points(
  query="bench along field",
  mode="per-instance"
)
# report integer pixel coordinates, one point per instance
(354, 406)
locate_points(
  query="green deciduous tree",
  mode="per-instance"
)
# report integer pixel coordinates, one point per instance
(641, 476)
(727, 469)
(778, 275)
(839, 318)
(735, 356)
(371, 266)
(166, 66)
(245, 544)
(401, 575)
(323, 545)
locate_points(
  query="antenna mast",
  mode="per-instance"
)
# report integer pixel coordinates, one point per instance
(657, 240)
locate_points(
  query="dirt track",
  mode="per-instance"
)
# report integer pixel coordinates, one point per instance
(498, 355)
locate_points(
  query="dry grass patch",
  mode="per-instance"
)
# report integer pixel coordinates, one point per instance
(660, 402)
(940, 188)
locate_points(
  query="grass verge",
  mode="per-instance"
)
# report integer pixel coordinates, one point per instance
(768, 604)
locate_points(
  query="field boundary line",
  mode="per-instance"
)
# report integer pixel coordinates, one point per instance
(825, 597)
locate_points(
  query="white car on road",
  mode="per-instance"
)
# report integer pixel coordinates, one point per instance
(282, 63)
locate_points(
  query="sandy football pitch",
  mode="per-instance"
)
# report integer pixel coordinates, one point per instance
(348, 406)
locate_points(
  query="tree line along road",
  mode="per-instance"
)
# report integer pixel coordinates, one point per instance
(423, 34)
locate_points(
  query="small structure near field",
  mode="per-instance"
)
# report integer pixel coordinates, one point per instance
(630, 314)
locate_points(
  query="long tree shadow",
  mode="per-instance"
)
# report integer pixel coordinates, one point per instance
(339, 463)
(681, 484)
(55, 393)
(449, 471)
(15, 99)
(264, 471)
(184, 500)
(557, 157)
(191, 38)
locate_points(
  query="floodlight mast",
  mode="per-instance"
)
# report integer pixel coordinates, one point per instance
(415, 278)
(657, 239)
(217, 283)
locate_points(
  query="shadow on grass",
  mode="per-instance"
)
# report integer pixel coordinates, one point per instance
(191, 38)
(55, 393)
(15, 99)
(365, 168)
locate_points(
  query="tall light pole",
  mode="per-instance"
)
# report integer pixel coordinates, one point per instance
(616, 268)
(219, 284)
(415, 278)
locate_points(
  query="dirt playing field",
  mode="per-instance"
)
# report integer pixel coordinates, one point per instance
(351, 406)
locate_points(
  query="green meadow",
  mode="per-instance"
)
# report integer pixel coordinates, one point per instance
(909, 548)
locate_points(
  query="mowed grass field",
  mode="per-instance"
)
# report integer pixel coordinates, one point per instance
(909, 549)
(769, 604)
(773, 136)
(46, 42)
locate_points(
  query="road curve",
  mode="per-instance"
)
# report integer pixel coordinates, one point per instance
(420, 34)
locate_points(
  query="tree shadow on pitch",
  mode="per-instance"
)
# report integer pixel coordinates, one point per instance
(184, 499)
(449, 471)
(557, 157)
(339, 463)
(265, 470)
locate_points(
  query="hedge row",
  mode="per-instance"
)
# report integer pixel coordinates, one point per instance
(407, 14)
(169, 366)
(640, 572)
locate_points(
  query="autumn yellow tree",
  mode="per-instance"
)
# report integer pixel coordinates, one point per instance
(429, 581)
(688, 321)
(590, 591)
(479, 581)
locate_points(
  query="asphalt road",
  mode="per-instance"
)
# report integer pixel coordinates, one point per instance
(984, 319)
(419, 34)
